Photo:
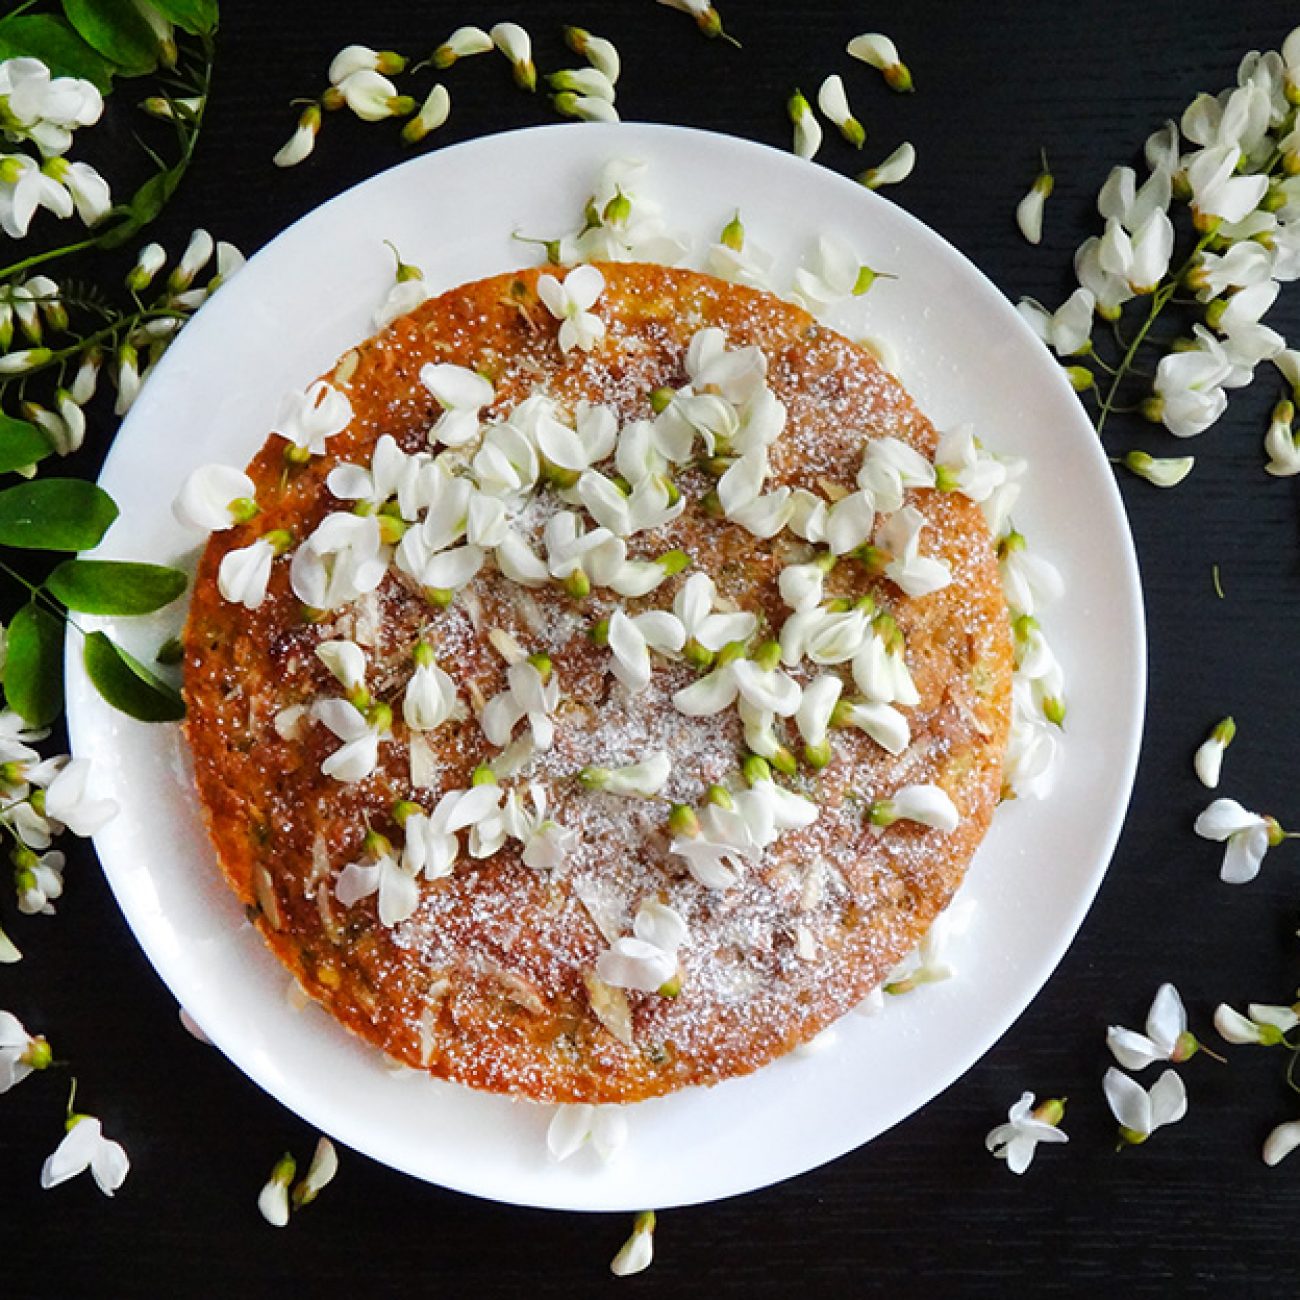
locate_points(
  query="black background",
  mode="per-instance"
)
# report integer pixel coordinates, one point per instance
(923, 1209)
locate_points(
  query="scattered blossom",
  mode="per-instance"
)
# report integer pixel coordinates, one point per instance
(916, 574)
(927, 805)
(1281, 1141)
(532, 694)
(647, 959)
(214, 498)
(570, 302)
(1209, 756)
(43, 109)
(1264, 1024)
(1029, 211)
(807, 129)
(515, 43)
(85, 1147)
(637, 1252)
(877, 50)
(572, 1127)
(360, 734)
(632, 638)
(1159, 471)
(1248, 836)
(1280, 442)
(897, 167)
(1027, 1125)
(461, 44)
(544, 842)
(320, 1173)
(1141, 1112)
(433, 113)
(20, 1052)
(833, 101)
(832, 273)
(307, 419)
(273, 1199)
(462, 394)
(1167, 1037)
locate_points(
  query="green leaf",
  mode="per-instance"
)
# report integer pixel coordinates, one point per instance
(51, 39)
(198, 17)
(55, 514)
(145, 204)
(34, 667)
(127, 684)
(114, 587)
(21, 444)
(118, 30)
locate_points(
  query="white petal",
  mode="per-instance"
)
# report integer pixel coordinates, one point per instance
(1128, 1101)
(1281, 1142)
(1167, 1020)
(1168, 1100)
(569, 1128)
(1132, 1050)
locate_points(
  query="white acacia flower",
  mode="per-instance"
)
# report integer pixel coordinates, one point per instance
(1142, 258)
(570, 302)
(877, 50)
(590, 83)
(24, 187)
(431, 847)
(647, 959)
(1264, 1024)
(515, 43)
(1140, 1112)
(927, 805)
(38, 881)
(1281, 1141)
(343, 559)
(462, 394)
(1218, 192)
(652, 503)
(824, 635)
(813, 716)
(738, 259)
(962, 465)
(1159, 471)
(637, 1252)
(1121, 200)
(831, 273)
(433, 113)
(585, 108)
(69, 805)
(1234, 120)
(1280, 442)
(916, 574)
(545, 842)
(215, 497)
(307, 419)
(696, 607)
(632, 639)
(713, 419)
(833, 101)
(1209, 756)
(298, 147)
(1032, 747)
(358, 756)
(1029, 211)
(532, 694)
(880, 670)
(88, 190)
(1189, 394)
(736, 374)
(430, 698)
(371, 96)
(43, 109)
(383, 875)
(596, 558)
(1166, 1039)
(1239, 266)
(461, 44)
(714, 845)
(1068, 330)
(928, 962)
(600, 53)
(759, 682)
(889, 467)
(1029, 581)
(346, 662)
(361, 58)
(1248, 835)
(807, 129)
(244, 573)
(572, 1127)
(20, 1052)
(801, 585)
(1109, 291)
(882, 722)
(506, 463)
(766, 809)
(320, 1173)
(1027, 1126)
(641, 780)
(85, 1147)
(897, 167)
(273, 1199)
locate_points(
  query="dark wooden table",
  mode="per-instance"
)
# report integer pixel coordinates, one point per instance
(923, 1209)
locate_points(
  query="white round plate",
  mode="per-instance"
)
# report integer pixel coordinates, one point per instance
(966, 356)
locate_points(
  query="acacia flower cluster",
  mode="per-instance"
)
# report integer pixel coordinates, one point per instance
(1203, 241)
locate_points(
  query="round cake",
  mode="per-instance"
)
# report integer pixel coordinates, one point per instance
(601, 689)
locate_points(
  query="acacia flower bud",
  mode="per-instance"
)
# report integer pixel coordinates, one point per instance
(302, 141)
(433, 113)
(1081, 379)
(1280, 442)
(834, 103)
(1209, 757)
(584, 108)
(483, 775)
(361, 58)
(600, 53)
(637, 1251)
(1029, 211)
(733, 234)
(881, 53)
(1281, 1142)
(897, 167)
(273, 1200)
(147, 264)
(515, 43)
(682, 820)
(807, 129)
(583, 81)
(324, 1165)
(463, 42)
(21, 362)
(1163, 472)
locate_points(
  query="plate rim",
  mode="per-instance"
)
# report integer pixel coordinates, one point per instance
(608, 138)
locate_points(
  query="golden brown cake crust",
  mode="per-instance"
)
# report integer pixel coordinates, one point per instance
(488, 983)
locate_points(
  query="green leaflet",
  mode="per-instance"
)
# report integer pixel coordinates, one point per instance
(52, 39)
(198, 17)
(114, 587)
(117, 30)
(21, 444)
(127, 684)
(55, 514)
(34, 667)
